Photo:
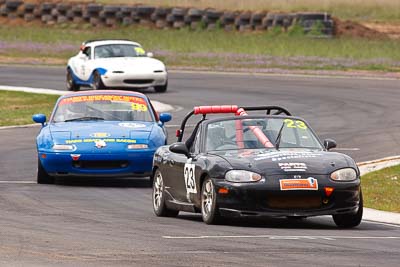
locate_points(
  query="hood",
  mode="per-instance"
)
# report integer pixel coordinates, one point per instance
(100, 130)
(272, 162)
(131, 64)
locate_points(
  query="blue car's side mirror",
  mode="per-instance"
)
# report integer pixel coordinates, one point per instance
(165, 117)
(39, 118)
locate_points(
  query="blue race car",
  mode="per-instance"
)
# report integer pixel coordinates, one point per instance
(99, 134)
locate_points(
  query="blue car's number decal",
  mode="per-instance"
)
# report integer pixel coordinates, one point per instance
(190, 178)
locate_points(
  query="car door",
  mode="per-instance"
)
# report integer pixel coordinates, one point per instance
(183, 173)
(84, 63)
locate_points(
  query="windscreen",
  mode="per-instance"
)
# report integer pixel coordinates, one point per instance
(107, 107)
(260, 133)
(118, 50)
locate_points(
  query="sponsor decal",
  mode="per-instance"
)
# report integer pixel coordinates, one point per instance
(299, 184)
(100, 144)
(131, 124)
(91, 98)
(108, 140)
(279, 156)
(292, 166)
(100, 135)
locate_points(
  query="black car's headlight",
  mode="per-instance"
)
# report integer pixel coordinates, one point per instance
(242, 176)
(346, 174)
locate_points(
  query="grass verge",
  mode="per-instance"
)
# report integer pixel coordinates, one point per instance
(215, 49)
(18, 107)
(381, 189)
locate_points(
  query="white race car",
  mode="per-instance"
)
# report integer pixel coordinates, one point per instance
(104, 64)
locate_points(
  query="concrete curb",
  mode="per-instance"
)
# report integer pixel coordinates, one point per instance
(159, 106)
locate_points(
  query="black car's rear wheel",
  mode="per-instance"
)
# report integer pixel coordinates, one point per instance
(209, 209)
(158, 197)
(97, 82)
(352, 219)
(71, 85)
(42, 176)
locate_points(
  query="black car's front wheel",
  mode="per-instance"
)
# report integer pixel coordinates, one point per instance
(158, 197)
(209, 209)
(42, 176)
(352, 219)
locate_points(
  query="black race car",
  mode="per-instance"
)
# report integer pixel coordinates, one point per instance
(241, 165)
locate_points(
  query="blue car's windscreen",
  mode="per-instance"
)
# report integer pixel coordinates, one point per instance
(105, 107)
(260, 133)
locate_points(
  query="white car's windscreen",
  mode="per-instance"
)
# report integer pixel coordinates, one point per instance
(260, 133)
(118, 50)
(102, 107)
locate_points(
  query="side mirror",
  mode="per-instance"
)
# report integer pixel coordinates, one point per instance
(165, 117)
(329, 144)
(39, 118)
(149, 54)
(179, 148)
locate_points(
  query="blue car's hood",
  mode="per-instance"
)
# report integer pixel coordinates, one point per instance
(100, 129)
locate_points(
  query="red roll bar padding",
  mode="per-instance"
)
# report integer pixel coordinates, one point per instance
(239, 133)
(256, 131)
(215, 109)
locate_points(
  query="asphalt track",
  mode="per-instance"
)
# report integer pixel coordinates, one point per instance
(94, 222)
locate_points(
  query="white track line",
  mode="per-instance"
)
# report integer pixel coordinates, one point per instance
(283, 237)
(159, 106)
(18, 182)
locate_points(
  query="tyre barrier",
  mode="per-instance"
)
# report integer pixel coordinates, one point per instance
(97, 14)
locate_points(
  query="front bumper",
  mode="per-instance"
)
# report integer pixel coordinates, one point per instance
(137, 80)
(265, 198)
(135, 163)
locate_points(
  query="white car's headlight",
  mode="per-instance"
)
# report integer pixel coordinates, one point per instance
(347, 174)
(242, 176)
(138, 146)
(63, 147)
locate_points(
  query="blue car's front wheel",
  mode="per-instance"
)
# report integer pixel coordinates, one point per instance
(42, 176)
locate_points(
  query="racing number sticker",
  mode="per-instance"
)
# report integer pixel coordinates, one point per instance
(139, 50)
(139, 107)
(295, 124)
(189, 176)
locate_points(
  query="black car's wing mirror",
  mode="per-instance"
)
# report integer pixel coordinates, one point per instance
(329, 144)
(179, 148)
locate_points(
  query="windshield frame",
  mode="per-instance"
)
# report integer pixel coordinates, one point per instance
(205, 124)
(151, 110)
